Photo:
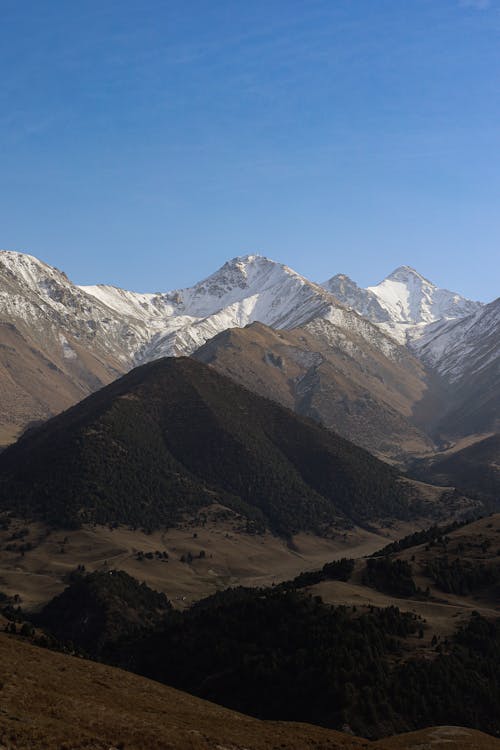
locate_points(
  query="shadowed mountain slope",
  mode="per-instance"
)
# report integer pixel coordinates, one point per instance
(466, 353)
(174, 436)
(474, 469)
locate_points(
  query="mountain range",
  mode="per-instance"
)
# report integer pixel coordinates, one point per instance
(399, 368)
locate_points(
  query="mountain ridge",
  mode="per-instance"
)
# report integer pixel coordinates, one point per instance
(60, 341)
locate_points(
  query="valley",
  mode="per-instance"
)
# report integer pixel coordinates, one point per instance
(426, 605)
(38, 564)
(475, 545)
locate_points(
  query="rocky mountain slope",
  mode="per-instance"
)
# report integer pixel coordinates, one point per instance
(332, 375)
(57, 344)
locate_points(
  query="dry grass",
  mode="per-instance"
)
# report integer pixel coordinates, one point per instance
(231, 558)
(53, 701)
(50, 701)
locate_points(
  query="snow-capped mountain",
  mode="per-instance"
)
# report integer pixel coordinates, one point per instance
(60, 341)
(132, 328)
(466, 346)
(403, 304)
(83, 337)
(48, 304)
(466, 353)
(246, 289)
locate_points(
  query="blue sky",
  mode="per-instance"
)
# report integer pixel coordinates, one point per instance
(143, 143)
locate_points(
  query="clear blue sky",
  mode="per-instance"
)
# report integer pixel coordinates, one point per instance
(144, 142)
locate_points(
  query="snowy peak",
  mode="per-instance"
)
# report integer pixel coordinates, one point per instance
(406, 273)
(404, 303)
(361, 300)
(235, 281)
(413, 300)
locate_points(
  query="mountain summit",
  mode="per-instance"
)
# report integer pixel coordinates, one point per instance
(403, 303)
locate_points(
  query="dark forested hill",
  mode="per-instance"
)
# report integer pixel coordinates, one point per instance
(98, 610)
(173, 436)
(474, 470)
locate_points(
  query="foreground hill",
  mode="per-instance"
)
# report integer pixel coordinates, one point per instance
(53, 701)
(334, 376)
(173, 437)
(278, 653)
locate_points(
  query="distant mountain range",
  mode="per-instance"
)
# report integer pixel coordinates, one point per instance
(395, 367)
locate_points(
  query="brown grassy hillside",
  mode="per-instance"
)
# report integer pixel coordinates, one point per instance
(50, 701)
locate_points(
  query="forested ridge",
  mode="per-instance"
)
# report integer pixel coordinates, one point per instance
(173, 436)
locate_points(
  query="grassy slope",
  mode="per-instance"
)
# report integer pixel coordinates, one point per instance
(53, 701)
